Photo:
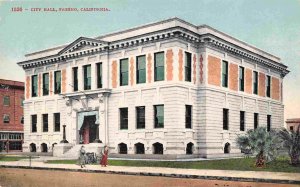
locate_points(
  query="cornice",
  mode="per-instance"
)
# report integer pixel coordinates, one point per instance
(175, 32)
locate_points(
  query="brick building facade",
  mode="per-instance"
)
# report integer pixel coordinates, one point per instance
(293, 124)
(168, 88)
(11, 115)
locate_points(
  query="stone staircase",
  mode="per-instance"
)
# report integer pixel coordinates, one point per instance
(92, 147)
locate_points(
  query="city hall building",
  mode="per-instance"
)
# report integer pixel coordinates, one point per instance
(168, 87)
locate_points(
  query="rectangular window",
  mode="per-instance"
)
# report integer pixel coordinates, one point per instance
(87, 77)
(268, 86)
(188, 116)
(188, 66)
(159, 116)
(159, 66)
(45, 122)
(22, 120)
(225, 74)
(34, 85)
(57, 82)
(46, 84)
(124, 72)
(123, 118)
(255, 120)
(6, 100)
(33, 123)
(241, 78)
(75, 79)
(255, 82)
(242, 121)
(140, 117)
(141, 69)
(56, 122)
(291, 128)
(225, 119)
(6, 118)
(269, 122)
(99, 75)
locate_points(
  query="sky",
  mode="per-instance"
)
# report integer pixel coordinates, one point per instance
(271, 25)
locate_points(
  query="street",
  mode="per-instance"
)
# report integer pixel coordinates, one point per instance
(11, 177)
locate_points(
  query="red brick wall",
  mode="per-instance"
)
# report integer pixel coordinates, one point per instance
(63, 81)
(214, 71)
(194, 68)
(15, 109)
(114, 74)
(169, 62)
(132, 71)
(275, 89)
(51, 83)
(233, 77)
(262, 84)
(180, 66)
(248, 81)
(149, 67)
(28, 87)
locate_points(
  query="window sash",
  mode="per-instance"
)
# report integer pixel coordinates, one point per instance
(87, 77)
(269, 122)
(225, 119)
(34, 86)
(140, 117)
(224, 74)
(124, 72)
(242, 121)
(123, 118)
(159, 116)
(99, 75)
(255, 120)
(45, 122)
(141, 69)
(255, 82)
(6, 118)
(188, 67)
(33, 123)
(56, 122)
(75, 78)
(159, 66)
(268, 84)
(6, 100)
(57, 80)
(46, 84)
(188, 116)
(241, 79)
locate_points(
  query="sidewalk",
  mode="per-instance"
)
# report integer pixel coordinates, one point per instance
(249, 176)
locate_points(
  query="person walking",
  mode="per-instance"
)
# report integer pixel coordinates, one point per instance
(82, 157)
(104, 158)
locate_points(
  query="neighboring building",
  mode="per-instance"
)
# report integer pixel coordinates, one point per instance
(11, 115)
(168, 88)
(292, 124)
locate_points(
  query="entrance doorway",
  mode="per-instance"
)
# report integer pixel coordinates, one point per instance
(88, 129)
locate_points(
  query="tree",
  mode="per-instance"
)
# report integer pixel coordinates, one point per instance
(291, 141)
(263, 144)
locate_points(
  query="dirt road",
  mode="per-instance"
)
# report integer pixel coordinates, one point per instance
(10, 177)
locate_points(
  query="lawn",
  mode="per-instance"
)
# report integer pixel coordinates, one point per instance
(242, 164)
(12, 158)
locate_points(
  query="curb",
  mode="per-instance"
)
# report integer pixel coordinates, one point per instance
(225, 178)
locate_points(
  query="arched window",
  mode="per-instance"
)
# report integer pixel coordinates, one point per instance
(158, 148)
(189, 148)
(227, 148)
(139, 148)
(122, 148)
(32, 147)
(44, 148)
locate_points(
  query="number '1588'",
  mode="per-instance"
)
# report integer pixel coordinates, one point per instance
(16, 9)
